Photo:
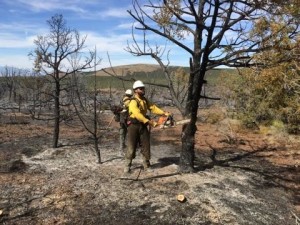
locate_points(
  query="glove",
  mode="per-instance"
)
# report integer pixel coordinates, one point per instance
(167, 114)
(152, 123)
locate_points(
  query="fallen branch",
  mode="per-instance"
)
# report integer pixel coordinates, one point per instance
(110, 123)
(297, 219)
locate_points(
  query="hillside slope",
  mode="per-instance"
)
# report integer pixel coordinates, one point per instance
(129, 69)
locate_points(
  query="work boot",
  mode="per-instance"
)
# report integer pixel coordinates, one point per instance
(126, 169)
(127, 166)
(147, 165)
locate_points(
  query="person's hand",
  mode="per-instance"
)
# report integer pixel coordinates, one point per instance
(152, 123)
(167, 114)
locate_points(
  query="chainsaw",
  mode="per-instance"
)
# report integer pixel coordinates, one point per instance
(168, 121)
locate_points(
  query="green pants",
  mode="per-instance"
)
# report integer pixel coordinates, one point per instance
(138, 135)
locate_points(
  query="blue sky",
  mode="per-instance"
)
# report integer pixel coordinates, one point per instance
(106, 24)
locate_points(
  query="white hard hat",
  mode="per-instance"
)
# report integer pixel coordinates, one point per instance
(128, 92)
(138, 84)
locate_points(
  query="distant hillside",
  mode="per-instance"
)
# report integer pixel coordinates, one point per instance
(130, 69)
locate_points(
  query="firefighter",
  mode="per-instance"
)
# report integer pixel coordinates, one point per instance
(138, 122)
(123, 119)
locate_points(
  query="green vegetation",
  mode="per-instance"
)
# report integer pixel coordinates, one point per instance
(104, 82)
(268, 97)
(157, 77)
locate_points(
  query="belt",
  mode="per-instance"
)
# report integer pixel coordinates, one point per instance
(134, 121)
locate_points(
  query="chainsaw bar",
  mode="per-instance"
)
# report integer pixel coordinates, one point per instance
(170, 122)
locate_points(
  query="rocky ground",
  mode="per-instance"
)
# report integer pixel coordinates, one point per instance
(242, 177)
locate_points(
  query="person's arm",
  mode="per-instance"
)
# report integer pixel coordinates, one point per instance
(135, 112)
(156, 110)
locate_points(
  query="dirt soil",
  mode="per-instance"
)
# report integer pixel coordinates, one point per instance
(241, 177)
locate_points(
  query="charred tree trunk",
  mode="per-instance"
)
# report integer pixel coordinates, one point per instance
(96, 143)
(56, 114)
(95, 133)
(187, 155)
(197, 73)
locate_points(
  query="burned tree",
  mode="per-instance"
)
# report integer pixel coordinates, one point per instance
(53, 57)
(220, 34)
(10, 81)
(87, 105)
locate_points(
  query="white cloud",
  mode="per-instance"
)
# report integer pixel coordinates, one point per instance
(112, 43)
(9, 41)
(38, 5)
(115, 12)
(17, 33)
(124, 26)
(19, 61)
(115, 45)
(17, 27)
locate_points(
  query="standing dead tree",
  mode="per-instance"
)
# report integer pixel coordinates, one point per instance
(10, 81)
(53, 56)
(33, 87)
(87, 105)
(12, 88)
(212, 33)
